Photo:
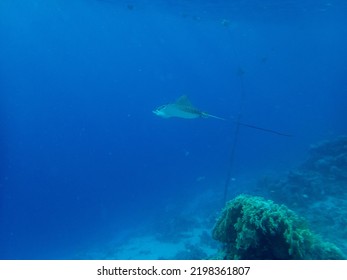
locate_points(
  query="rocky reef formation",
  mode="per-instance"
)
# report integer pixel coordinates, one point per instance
(317, 190)
(323, 174)
(251, 227)
(329, 158)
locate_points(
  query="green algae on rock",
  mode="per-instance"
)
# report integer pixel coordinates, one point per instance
(254, 228)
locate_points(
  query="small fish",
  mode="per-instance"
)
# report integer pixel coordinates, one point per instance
(182, 108)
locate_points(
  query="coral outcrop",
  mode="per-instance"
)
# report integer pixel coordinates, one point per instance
(329, 158)
(317, 189)
(254, 228)
(323, 174)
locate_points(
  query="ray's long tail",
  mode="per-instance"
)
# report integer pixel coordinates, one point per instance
(206, 115)
(212, 116)
(265, 129)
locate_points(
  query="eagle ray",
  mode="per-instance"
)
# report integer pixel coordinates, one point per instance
(183, 108)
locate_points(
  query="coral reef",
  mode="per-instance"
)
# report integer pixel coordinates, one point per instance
(254, 228)
(329, 218)
(329, 158)
(323, 174)
(316, 190)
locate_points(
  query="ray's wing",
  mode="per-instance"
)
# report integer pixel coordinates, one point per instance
(183, 104)
(184, 101)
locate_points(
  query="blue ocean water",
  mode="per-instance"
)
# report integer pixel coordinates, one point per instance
(84, 159)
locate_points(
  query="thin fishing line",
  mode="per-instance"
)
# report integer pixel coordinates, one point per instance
(239, 122)
(236, 136)
(240, 73)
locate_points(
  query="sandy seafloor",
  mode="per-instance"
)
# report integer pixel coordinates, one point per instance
(185, 234)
